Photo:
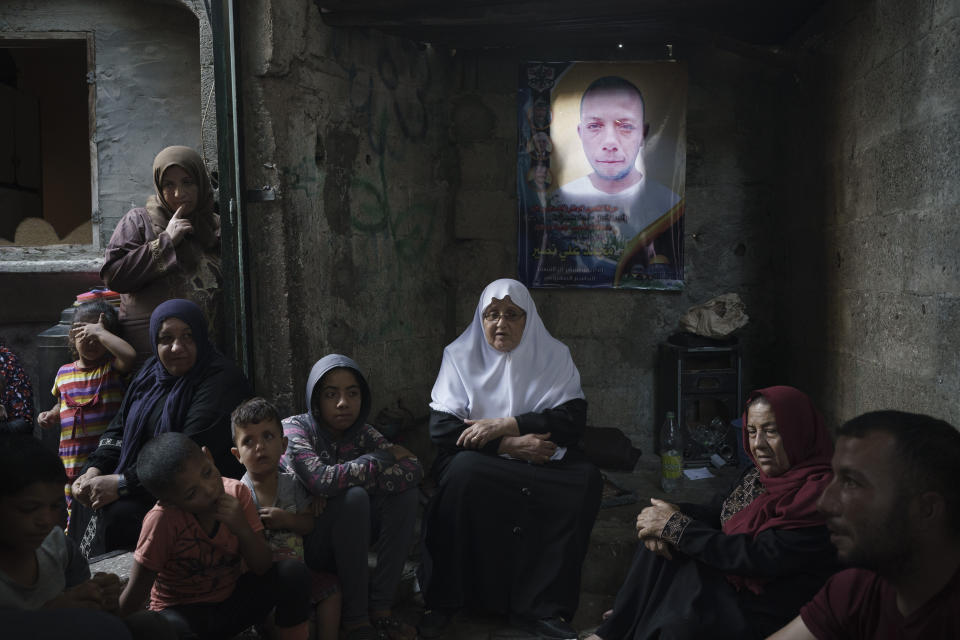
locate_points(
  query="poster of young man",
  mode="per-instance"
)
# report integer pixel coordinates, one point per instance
(601, 170)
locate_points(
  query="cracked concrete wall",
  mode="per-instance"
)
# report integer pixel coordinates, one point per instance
(732, 181)
(872, 280)
(208, 95)
(350, 127)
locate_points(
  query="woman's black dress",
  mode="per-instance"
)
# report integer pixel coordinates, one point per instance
(690, 595)
(505, 535)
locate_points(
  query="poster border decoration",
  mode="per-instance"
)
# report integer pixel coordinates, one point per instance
(581, 224)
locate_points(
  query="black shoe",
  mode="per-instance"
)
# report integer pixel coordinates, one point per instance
(435, 622)
(555, 628)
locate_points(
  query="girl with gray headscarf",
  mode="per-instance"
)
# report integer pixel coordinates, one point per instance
(370, 488)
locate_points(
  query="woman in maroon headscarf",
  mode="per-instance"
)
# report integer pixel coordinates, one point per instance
(742, 567)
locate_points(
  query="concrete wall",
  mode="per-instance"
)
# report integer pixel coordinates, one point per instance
(871, 276)
(732, 181)
(351, 128)
(147, 74)
(208, 96)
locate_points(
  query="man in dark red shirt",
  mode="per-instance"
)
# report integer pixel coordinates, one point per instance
(893, 510)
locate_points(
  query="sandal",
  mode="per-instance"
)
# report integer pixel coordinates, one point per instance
(391, 628)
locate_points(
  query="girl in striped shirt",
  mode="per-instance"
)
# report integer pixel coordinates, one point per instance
(90, 389)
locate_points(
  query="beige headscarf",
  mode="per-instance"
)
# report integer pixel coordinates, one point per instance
(206, 224)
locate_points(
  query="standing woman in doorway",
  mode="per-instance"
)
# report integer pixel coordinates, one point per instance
(168, 249)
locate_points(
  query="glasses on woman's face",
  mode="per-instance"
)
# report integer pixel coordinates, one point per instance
(509, 315)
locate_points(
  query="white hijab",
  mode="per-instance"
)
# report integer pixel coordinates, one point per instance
(477, 381)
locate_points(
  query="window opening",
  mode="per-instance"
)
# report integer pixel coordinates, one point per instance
(45, 153)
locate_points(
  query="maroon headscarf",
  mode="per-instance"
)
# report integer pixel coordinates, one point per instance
(790, 499)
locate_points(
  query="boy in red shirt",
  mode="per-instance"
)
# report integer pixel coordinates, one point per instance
(202, 556)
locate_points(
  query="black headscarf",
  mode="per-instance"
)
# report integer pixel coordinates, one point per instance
(154, 382)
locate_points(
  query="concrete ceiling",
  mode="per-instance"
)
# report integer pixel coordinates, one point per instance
(475, 24)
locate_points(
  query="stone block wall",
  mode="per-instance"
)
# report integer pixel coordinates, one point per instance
(871, 273)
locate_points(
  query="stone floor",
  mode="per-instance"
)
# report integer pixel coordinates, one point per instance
(612, 545)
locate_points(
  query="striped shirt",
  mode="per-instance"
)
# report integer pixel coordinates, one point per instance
(89, 398)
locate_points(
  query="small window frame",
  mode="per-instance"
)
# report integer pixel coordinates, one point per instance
(65, 254)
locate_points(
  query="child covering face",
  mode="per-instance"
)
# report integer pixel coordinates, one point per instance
(196, 543)
(90, 389)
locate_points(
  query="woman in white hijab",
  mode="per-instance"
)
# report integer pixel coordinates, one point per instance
(508, 528)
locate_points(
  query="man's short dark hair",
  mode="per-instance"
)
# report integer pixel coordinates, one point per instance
(613, 83)
(24, 460)
(927, 451)
(162, 458)
(253, 411)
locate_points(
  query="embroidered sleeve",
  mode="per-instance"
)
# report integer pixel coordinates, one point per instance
(156, 253)
(746, 492)
(674, 528)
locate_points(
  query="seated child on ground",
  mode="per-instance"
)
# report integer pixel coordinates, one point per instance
(46, 590)
(195, 544)
(90, 389)
(371, 491)
(286, 508)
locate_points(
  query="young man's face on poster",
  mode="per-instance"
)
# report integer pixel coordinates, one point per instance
(611, 130)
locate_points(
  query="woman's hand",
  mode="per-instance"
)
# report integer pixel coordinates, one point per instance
(659, 547)
(650, 521)
(179, 227)
(80, 490)
(102, 490)
(532, 447)
(480, 432)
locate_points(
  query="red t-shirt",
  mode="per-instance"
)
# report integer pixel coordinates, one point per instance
(857, 603)
(190, 565)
